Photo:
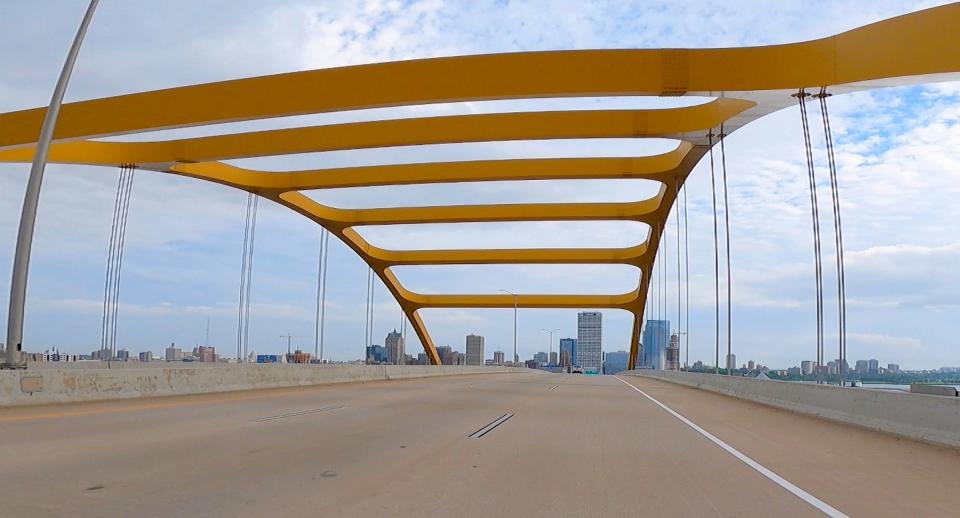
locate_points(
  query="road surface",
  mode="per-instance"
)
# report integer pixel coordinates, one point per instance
(574, 446)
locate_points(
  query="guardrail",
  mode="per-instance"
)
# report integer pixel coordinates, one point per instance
(927, 418)
(67, 385)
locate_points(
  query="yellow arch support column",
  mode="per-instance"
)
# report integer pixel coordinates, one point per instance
(424, 336)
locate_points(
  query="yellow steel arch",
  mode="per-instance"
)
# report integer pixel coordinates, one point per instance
(745, 84)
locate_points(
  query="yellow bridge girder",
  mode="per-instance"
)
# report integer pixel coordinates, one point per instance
(743, 84)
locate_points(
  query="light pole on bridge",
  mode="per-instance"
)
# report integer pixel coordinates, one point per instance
(515, 303)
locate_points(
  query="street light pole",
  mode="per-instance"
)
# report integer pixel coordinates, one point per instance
(515, 303)
(28, 217)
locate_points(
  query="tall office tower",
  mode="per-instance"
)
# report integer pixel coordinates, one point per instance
(731, 362)
(474, 349)
(655, 339)
(540, 358)
(396, 352)
(589, 341)
(673, 353)
(873, 367)
(498, 357)
(446, 354)
(568, 352)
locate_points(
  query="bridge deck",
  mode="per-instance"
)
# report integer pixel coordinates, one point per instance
(402, 448)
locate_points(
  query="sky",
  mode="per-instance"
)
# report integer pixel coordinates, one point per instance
(898, 154)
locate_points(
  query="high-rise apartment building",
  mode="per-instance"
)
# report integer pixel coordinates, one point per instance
(589, 341)
(807, 367)
(656, 336)
(498, 357)
(568, 352)
(873, 367)
(474, 349)
(396, 352)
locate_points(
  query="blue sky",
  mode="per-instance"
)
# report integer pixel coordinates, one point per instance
(897, 152)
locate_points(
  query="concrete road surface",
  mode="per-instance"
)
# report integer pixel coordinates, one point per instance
(574, 446)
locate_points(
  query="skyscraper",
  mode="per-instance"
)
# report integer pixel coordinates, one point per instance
(589, 341)
(446, 354)
(615, 362)
(474, 349)
(672, 361)
(731, 362)
(568, 352)
(498, 357)
(540, 358)
(395, 348)
(655, 337)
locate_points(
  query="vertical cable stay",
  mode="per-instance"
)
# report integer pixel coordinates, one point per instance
(716, 252)
(815, 214)
(679, 274)
(838, 232)
(726, 217)
(246, 314)
(686, 260)
(121, 240)
(246, 276)
(325, 253)
(108, 276)
(243, 278)
(316, 329)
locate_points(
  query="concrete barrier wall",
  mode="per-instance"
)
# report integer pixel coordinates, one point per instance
(932, 419)
(65, 385)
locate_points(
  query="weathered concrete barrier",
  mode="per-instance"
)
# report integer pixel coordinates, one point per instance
(931, 419)
(66, 385)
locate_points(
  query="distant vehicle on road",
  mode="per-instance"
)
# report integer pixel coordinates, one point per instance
(577, 369)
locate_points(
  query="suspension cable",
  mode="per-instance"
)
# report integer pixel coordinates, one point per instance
(838, 232)
(316, 327)
(815, 214)
(679, 276)
(664, 276)
(323, 291)
(243, 278)
(686, 260)
(108, 277)
(726, 217)
(118, 268)
(716, 253)
(246, 314)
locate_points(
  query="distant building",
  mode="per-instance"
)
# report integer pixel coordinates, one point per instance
(751, 365)
(731, 362)
(146, 356)
(793, 371)
(655, 339)
(123, 355)
(173, 353)
(422, 359)
(861, 367)
(698, 365)
(376, 354)
(298, 356)
(445, 352)
(396, 353)
(458, 358)
(807, 367)
(205, 354)
(498, 357)
(673, 353)
(893, 368)
(589, 341)
(553, 358)
(568, 352)
(540, 358)
(616, 362)
(474, 349)
(873, 367)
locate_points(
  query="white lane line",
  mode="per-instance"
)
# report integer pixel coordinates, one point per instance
(824, 507)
